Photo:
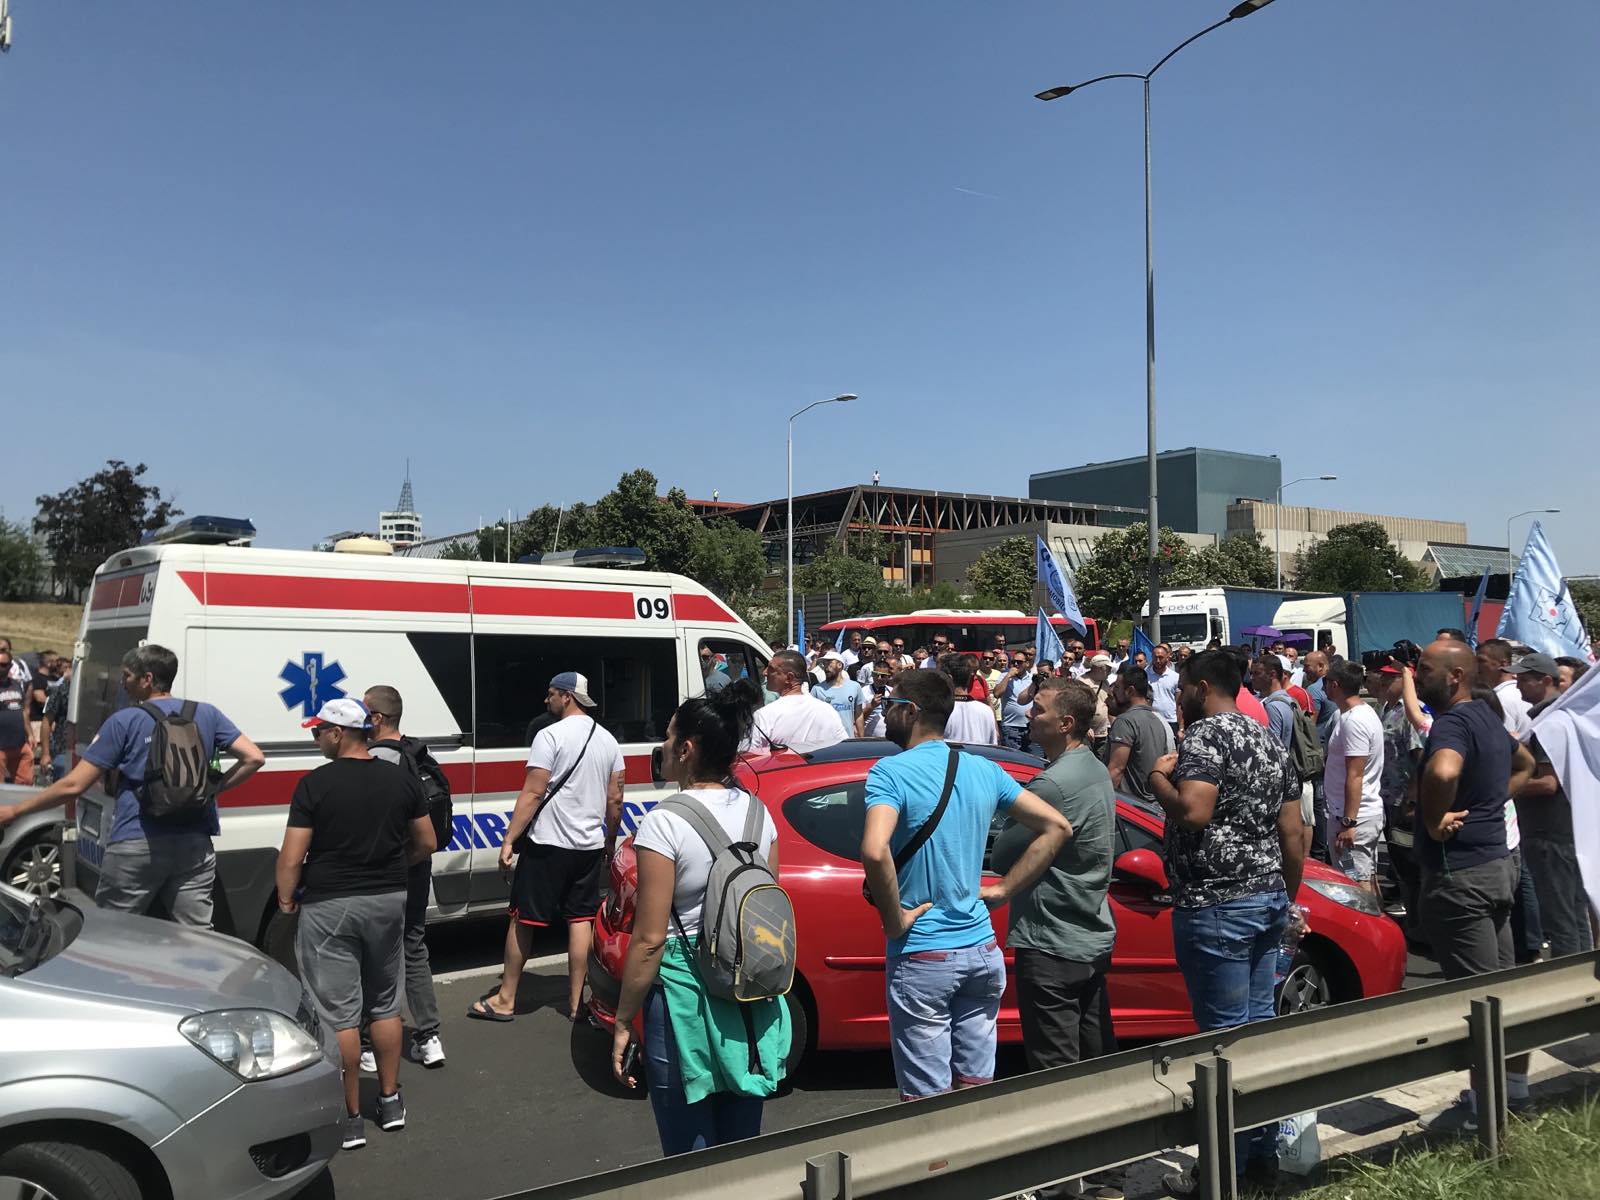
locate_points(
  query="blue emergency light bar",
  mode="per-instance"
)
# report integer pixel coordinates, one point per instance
(201, 531)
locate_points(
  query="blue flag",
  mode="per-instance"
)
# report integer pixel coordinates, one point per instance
(1477, 607)
(1046, 643)
(800, 629)
(1539, 611)
(1141, 641)
(1055, 583)
(838, 642)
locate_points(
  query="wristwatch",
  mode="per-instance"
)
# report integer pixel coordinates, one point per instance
(1347, 823)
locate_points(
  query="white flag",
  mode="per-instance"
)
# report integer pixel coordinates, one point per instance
(1569, 731)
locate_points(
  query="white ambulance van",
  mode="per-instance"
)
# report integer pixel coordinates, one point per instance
(269, 635)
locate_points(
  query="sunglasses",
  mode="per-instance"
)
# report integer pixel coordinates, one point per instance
(899, 700)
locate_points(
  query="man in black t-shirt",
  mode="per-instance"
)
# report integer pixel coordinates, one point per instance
(1469, 768)
(354, 827)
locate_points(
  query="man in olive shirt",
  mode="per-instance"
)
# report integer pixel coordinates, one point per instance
(1061, 927)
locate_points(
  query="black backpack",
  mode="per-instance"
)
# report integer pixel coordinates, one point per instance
(177, 774)
(441, 810)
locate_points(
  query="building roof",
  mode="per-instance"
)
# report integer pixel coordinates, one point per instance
(1164, 454)
(1455, 559)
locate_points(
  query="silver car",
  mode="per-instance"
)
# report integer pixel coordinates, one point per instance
(30, 848)
(141, 1059)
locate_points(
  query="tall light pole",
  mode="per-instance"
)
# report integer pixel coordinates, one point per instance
(1528, 513)
(1277, 520)
(839, 399)
(1056, 93)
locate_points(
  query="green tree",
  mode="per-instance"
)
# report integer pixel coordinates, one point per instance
(634, 514)
(941, 595)
(544, 529)
(1238, 560)
(460, 550)
(1586, 599)
(21, 564)
(764, 614)
(1114, 581)
(729, 559)
(1006, 571)
(95, 517)
(1358, 557)
(854, 570)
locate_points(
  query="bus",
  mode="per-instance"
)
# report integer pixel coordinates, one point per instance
(970, 629)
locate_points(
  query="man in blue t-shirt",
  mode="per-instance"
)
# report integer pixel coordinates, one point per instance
(842, 694)
(944, 967)
(151, 860)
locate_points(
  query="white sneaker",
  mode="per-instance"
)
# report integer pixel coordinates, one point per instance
(369, 1062)
(429, 1051)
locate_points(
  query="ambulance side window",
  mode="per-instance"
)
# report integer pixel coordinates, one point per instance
(735, 660)
(633, 681)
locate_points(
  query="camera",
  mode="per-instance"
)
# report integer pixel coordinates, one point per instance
(1403, 653)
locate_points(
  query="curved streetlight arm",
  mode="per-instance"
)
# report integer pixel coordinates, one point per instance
(1058, 92)
(816, 403)
(1190, 41)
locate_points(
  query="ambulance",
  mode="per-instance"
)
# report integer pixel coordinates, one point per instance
(269, 635)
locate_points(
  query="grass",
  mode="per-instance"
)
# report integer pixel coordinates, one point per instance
(40, 626)
(1554, 1155)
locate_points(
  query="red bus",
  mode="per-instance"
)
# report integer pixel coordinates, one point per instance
(967, 628)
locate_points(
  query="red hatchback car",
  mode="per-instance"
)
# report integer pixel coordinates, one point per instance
(818, 801)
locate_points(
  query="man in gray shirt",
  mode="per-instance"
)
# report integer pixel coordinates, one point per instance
(1061, 928)
(1138, 737)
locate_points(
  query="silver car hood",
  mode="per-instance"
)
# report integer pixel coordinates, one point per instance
(125, 957)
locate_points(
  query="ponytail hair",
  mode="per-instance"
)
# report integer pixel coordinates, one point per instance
(718, 724)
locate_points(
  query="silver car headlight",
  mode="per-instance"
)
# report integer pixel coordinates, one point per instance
(253, 1043)
(1347, 894)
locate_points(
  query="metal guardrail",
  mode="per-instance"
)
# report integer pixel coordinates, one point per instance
(1021, 1133)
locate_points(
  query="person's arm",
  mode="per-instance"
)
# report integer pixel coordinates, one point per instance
(1014, 836)
(1051, 831)
(1522, 768)
(73, 784)
(534, 784)
(1413, 704)
(46, 728)
(860, 717)
(248, 759)
(1189, 803)
(423, 841)
(1355, 766)
(1541, 786)
(1117, 762)
(614, 810)
(1441, 781)
(657, 878)
(1294, 837)
(291, 858)
(878, 861)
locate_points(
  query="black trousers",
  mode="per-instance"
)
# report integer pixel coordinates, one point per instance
(1064, 1008)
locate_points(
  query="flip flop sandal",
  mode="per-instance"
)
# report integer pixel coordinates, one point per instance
(480, 1010)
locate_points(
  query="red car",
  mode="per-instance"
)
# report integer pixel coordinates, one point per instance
(818, 801)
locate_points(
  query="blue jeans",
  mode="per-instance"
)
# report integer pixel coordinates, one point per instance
(943, 1007)
(719, 1118)
(1228, 953)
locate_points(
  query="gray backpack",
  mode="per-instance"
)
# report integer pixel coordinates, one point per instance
(746, 947)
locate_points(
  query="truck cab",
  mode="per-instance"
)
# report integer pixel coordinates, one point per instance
(1193, 617)
(1321, 619)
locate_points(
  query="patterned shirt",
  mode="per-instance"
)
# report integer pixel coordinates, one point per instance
(1237, 853)
(1401, 746)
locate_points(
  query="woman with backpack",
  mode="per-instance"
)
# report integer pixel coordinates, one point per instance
(709, 1059)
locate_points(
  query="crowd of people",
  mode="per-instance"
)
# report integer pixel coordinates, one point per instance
(33, 715)
(1259, 759)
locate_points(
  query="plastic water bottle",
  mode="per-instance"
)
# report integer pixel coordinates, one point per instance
(1290, 945)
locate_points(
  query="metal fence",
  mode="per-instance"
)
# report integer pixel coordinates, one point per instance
(1021, 1133)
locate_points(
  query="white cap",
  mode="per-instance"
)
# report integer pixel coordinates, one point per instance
(345, 713)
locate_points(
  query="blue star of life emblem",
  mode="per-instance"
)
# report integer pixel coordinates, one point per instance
(311, 684)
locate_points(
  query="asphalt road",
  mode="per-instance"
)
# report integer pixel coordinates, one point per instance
(532, 1102)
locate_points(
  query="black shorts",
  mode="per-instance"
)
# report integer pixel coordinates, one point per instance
(553, 882)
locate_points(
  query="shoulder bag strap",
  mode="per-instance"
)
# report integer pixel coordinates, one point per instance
(909, 850)
(753, 821)
(151, 711)
(550, 792)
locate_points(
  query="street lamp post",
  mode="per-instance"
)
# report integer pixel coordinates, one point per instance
(1153, 519)
(1527, 513)
(1277, 520)
(839, 399)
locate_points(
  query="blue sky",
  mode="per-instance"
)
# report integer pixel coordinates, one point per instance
(272, 250)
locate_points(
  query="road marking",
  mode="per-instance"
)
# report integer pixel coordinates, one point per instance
(549, 960)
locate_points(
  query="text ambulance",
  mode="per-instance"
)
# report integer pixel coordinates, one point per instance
(269, 635)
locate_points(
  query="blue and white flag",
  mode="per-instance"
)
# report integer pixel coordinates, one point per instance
(1477, 607)
(1046, 642)
(800, 629)
(1569, 734)
(1055, 583)
(1539, 611)
(1141, 641)
(838, 642)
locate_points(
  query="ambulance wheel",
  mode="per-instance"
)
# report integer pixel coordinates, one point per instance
(277, 941)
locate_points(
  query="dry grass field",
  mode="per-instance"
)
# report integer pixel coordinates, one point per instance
(40, 626)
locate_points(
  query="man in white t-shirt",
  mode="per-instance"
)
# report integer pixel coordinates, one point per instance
(569, 809)
(1494, 662)
(972, 722)
(795, 720)
(1352, 778)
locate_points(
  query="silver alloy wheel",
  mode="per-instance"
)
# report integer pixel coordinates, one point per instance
(36, 869)
(12, 1188)
(1304, 988)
